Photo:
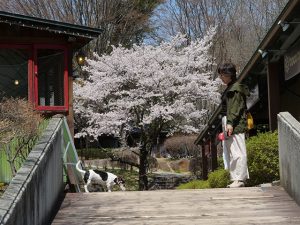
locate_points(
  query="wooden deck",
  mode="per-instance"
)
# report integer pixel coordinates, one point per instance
(270, 205)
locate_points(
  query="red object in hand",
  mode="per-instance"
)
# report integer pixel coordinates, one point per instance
(221, 136)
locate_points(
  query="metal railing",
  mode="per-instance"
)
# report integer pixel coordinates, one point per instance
(289, 154)
(70, 156)
(33, 194)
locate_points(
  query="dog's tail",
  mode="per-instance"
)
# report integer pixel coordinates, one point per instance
(78, 169)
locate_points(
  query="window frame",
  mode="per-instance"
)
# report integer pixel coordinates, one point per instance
(64, 107)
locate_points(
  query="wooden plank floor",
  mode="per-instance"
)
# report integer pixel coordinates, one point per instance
(256, 205)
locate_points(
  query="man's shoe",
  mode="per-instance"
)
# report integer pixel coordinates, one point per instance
(236, 184)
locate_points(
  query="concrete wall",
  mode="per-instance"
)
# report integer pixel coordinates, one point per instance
(289, 154)
(34, 192)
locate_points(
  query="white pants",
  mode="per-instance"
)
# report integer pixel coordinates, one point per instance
(226, 157)
(235, 156)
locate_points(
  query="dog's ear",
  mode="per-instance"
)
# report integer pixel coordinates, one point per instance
(116, 180)
(121, 180)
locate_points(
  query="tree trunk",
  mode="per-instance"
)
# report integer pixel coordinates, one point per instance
(87, 152)
(143, 179)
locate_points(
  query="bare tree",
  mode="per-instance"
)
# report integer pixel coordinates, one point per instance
(241, 24)
(123, 21)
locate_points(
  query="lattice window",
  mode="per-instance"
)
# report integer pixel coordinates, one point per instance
(14, 72)
(50, 77)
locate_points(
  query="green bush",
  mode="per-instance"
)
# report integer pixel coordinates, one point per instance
(195, 184)
(220, 163)
(219, 178)
(263, 159)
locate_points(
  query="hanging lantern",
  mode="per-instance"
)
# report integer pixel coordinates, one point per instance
(80, 57)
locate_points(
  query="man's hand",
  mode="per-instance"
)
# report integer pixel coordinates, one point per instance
(229, 129)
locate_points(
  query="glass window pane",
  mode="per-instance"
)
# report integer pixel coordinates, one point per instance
(14, 72)
(50, 77)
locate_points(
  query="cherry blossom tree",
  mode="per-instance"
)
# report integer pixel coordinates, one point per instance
(149, 88)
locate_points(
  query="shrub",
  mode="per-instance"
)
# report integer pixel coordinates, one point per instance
(219, 178)
(195, 184)
(18, 119)
(220, 163)
(263, 159)
(180, 146)
(20, 128)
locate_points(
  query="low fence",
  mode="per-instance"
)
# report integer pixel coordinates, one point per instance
(32, 195)
(289, 154)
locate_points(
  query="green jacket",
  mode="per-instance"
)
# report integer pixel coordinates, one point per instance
(236, 107)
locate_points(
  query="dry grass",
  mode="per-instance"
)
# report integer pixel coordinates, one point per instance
(181, 146)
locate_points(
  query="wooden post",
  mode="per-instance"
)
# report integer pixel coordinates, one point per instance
(214, 157)
(204, 162)
(275, 72)
(70, 116)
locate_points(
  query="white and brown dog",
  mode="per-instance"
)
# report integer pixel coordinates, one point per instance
(105, 179)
